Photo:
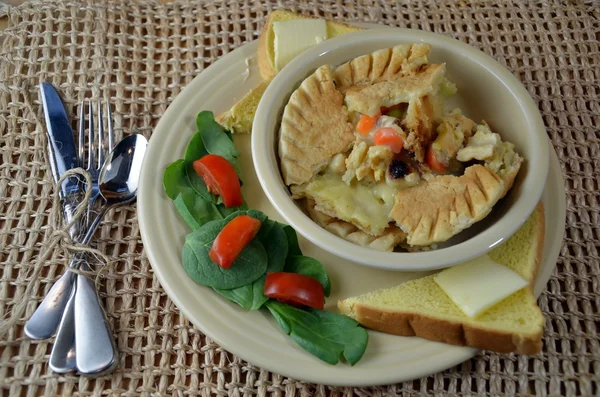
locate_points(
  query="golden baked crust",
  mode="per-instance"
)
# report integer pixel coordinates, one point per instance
(389, 63)
(368, 99)
(314, 127)
(441, 207)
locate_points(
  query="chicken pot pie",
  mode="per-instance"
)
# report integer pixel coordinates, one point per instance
(370, 152)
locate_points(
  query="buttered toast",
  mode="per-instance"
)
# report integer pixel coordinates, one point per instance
(266, 44)
(421, 308)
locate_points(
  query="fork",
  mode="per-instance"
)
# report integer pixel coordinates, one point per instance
(94, 166)
(63, 356)
(46, 318)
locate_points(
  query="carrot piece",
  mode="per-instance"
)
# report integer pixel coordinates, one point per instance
(388, 137)
(434, 164)
(366, 124)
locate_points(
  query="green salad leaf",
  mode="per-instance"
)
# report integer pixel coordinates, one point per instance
(292, 237)
(325, 334)
(248, 266)
(194, 210)
(216, 140)
(195, 149)
(249, 297)
(226, 212)
(175, 179)
(274, 239)
(214, 137)
(196, 183)
(309, 267)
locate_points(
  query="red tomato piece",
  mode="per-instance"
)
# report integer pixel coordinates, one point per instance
(295, 289)
(388, 137)
(366, 124)
(231, 241)
(220, 178)
(437, 166)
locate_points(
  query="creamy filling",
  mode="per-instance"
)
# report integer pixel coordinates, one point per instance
(365, 205)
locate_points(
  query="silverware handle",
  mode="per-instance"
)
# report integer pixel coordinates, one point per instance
(69, 207)
(62, 357)
(44, 321)
(47, 317)
(94, 342)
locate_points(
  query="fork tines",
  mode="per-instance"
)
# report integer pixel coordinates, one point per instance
(97, 147)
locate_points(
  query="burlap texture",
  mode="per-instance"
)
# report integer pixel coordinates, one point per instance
(140, 55)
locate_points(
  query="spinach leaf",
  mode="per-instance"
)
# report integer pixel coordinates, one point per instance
(217, 140)
(253, 213)
(195, 149)
(184, 204)
(309, 267)
(292, 237)
(175, 179)
(325, 334)
(226, 212)
(249, 297)
(273, 238)
(196, 183)
(194, 210)
(214, 137)
(248, 266)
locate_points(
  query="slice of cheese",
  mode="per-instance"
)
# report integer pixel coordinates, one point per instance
(294, 36)
(479, 284)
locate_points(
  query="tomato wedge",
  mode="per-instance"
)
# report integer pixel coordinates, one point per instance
(388, 137)
(366, 124)
(434, 164)
(295, 289)
(234, 237)
(220, 178)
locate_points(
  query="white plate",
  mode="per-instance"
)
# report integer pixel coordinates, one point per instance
(254, 336)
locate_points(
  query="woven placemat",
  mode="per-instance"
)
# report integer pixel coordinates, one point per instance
(140, 55)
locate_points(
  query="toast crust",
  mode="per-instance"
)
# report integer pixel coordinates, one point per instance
(453, 332)
(445, 331)
(266, 63)
(541, 235)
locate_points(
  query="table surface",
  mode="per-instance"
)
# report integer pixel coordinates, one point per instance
(141, 54)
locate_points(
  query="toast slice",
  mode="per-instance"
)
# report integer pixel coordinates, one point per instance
(239, 118)
(266, 43)
(421, 308)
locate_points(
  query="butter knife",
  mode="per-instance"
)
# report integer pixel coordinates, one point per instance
(62, 157)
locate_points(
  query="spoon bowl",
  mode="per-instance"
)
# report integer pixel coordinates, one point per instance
(119, 177)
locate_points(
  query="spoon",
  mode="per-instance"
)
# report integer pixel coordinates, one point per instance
(84, 341)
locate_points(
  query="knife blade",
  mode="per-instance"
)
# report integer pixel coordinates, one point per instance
(62, 157)
(61, 141)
